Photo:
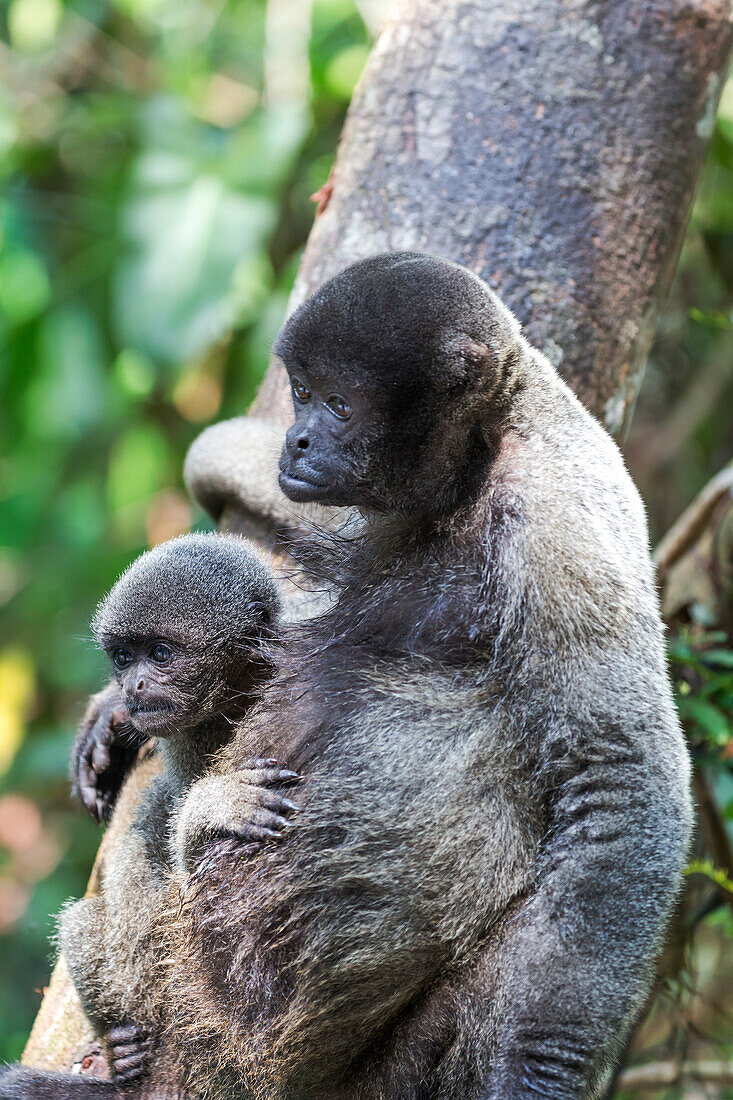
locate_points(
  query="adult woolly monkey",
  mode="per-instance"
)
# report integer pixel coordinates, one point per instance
(496, 805)
(495, 794)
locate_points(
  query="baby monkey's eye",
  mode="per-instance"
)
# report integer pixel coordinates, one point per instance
(161, 653)
(121, 658)
(302, 393)
(339, 407)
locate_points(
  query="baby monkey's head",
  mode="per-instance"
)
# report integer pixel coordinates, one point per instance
(185, 628)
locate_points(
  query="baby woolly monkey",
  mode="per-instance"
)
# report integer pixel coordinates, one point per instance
(187, 628)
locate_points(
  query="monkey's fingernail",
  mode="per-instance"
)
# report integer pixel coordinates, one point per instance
(289, 804)
(286, 775)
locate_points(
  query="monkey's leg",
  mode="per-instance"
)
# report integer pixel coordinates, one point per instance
(81, 935)
(23, 1083)
(575, 964)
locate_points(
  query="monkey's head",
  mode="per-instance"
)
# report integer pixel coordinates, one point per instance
(184, 628)
(397, 366)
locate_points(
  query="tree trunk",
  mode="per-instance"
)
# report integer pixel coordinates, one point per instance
(552, 146)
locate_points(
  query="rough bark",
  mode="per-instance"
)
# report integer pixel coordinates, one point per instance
(550, 145)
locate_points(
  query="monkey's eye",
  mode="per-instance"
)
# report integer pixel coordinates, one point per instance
(302, 393)
(339, 407)
(161, 653)
(121, 658)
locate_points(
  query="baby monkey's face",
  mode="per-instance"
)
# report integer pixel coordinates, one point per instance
(157, 677)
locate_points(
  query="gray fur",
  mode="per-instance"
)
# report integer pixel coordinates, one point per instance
(496, 797)
(212, 595)
(188, 588)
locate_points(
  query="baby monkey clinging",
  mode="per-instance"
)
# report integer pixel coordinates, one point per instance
(190, 629)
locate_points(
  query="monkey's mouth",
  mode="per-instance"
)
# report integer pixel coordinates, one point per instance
(150, 716)
(302, 488)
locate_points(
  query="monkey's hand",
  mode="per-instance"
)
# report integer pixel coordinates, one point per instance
(128, 1048)
(104, 751)
(241, 804)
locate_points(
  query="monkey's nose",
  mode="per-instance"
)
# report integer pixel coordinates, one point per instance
(140, 686)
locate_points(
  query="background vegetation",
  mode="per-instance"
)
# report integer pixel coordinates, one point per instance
(156, 162)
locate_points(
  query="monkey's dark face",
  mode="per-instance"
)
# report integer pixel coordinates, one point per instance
(157, 678)
(392, 371)
(325, 457)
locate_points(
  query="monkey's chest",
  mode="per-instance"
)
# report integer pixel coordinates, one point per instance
(416, 809)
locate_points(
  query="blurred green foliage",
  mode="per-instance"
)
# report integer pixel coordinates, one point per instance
(156, 162)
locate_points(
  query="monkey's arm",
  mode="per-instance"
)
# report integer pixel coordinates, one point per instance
(241, 804)
(105, 749)
(577, 961)
(24, 1083)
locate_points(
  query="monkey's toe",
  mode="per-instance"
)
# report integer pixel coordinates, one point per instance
(129, 1069)
(129, 1048)
(267, 773)
(126, 1033)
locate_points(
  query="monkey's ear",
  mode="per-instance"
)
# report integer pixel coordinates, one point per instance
(472, 351)
(466, 355)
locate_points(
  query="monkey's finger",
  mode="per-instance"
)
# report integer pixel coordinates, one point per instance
(271, 800)
(287, 777)
(126, 1033)
(268, 819)
(118, 717)
(270, 777)
(128, 1070)
(100, 756)
(88, 796)
(87, 788)
(87, 784)
(135, 1049)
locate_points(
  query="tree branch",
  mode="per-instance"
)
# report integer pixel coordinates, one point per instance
(693, 521)
(659, 1075)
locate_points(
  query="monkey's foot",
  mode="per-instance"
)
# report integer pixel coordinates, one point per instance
(128, 1048)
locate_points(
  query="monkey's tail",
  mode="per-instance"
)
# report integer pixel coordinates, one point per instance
(22, 1083)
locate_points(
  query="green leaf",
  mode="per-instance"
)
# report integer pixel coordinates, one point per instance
(175, 295)
(722, 658)
(716, 874)
(713, 723)
(24, 286)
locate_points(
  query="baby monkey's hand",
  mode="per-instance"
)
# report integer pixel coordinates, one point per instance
(241, 804)
(105, 749)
